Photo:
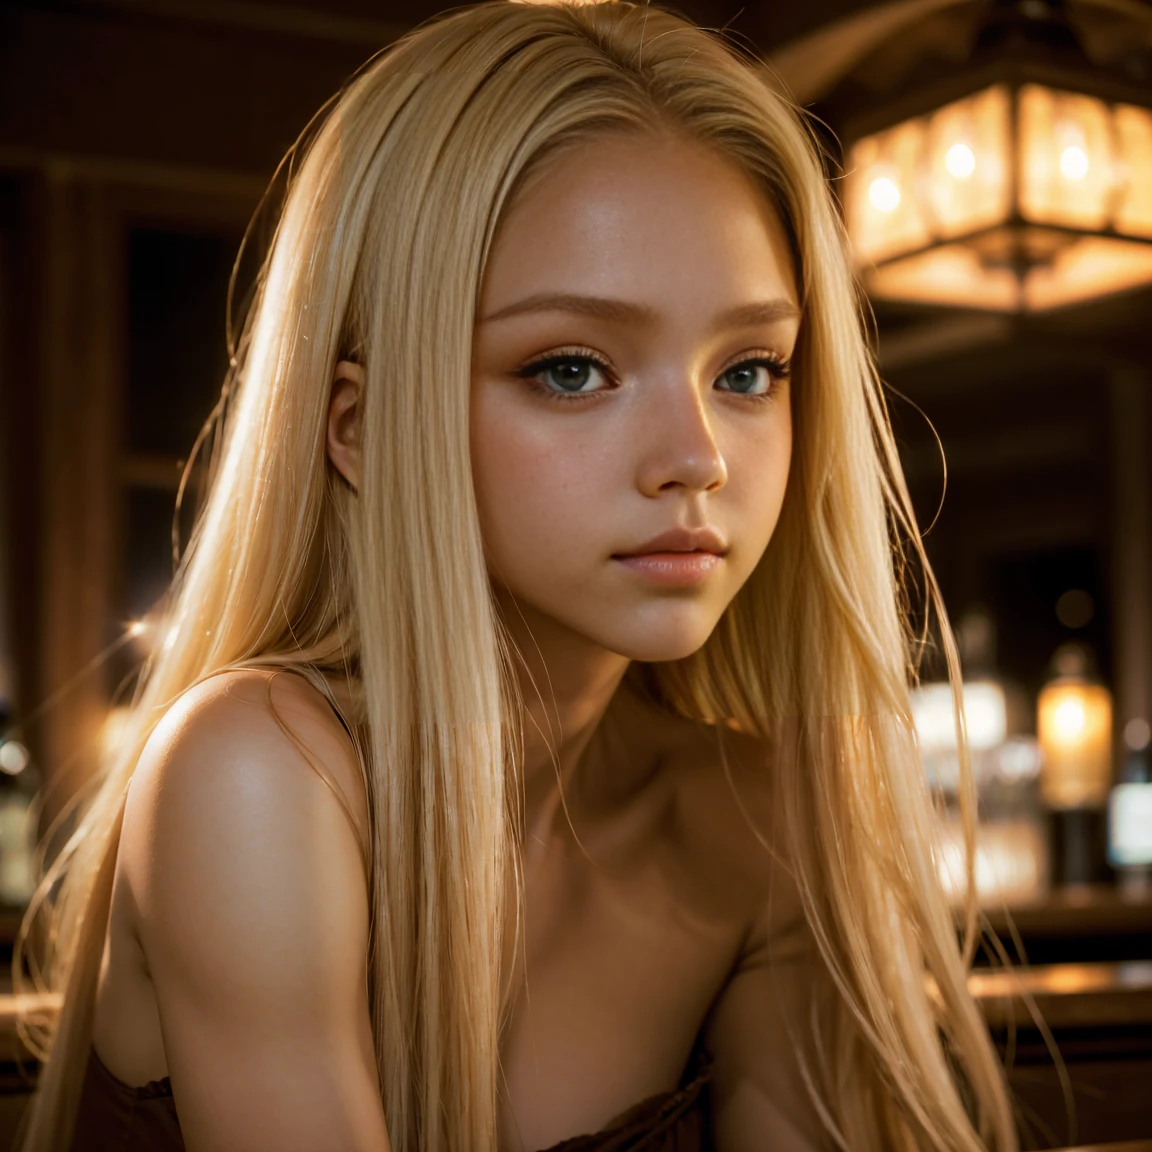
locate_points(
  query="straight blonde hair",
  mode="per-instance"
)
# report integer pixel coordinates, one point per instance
(395, 193)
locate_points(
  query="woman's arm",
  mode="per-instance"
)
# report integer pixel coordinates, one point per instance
(252, 911)
(759, 1096)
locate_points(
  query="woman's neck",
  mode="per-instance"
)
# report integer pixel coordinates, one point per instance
(567, 686)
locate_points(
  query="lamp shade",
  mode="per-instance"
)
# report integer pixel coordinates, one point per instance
(1019, 196)
(1074, 723)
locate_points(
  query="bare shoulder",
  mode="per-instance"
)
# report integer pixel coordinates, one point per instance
(243, 768)
(269, 736)
(252, 911)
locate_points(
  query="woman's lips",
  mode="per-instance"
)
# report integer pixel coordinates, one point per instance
(676, 569)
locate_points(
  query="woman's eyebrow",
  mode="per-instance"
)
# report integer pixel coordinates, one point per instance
(623, 311)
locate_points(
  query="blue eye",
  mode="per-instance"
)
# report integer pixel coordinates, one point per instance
(565, 376)
(754, 377)
(569, 375)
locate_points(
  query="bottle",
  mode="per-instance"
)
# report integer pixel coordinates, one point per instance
(19, 782)
(1130, 815)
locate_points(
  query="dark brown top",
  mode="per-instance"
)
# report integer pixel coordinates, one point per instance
(115, 1117)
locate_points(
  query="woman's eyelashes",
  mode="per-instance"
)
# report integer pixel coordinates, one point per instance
(578, 375)
(566, 375)
(758, 377)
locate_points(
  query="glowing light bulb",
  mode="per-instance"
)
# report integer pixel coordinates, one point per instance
(1074, 721)
(1074, 163)
(13, 757)
(1069, 719)
(137, 628)
(883, 194)
(960, 161)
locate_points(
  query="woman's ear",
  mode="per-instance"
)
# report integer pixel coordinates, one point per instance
(344, 413)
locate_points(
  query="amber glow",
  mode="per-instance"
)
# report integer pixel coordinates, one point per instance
(965, 144)
(1066, 160)
(1011, 861)
(882, 214)
(960, 161)
(884, 194)
(1074, 721)
(112, 730)
(1029, 200)
(1066, 979)
(955, 158)
(1093, 266)
(1134, 154)
(952, 274)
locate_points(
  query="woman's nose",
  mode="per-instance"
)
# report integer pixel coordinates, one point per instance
(677, 444)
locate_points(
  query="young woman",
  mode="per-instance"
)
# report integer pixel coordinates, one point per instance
(526, 756)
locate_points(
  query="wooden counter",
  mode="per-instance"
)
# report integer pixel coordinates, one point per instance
(1067, 995)
(1130, 1146)
(1100, 1015)
(1083, 910)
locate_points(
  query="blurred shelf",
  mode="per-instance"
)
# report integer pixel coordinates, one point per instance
(1108, 1083)
(1087, 910)
(1067, 995)
(1097, 996)
(1128, 1146)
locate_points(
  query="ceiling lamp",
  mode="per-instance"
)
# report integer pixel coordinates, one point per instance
(1021, 182)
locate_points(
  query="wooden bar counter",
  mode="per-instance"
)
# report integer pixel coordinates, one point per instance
(1100, 1015)
(1067, 995)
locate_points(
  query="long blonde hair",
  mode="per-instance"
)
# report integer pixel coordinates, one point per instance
(394, 195)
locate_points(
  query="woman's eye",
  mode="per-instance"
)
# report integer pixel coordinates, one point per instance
(566, 375)
(754, 377)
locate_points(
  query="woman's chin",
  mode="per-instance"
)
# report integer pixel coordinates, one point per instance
(660, 645)
(647, 632)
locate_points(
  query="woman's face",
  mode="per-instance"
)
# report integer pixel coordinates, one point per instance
(630, 382)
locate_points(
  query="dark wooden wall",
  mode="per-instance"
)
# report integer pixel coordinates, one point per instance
(123, 118)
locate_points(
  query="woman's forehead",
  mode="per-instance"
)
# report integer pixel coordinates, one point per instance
(656, 221)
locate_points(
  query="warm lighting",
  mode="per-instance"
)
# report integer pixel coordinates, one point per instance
(39, 1008)
(883, 194)
(1011, 861)
(985, 715)
(960, 161)
(1073, 163)
(1016, 197)
(1068, 720)
(14, 757)
(1074, 722)
(112, 732)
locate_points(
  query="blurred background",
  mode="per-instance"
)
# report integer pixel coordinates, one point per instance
(994, 163)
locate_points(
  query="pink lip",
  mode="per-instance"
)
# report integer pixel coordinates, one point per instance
(676, 569)
(681, 540)
(680, 557)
